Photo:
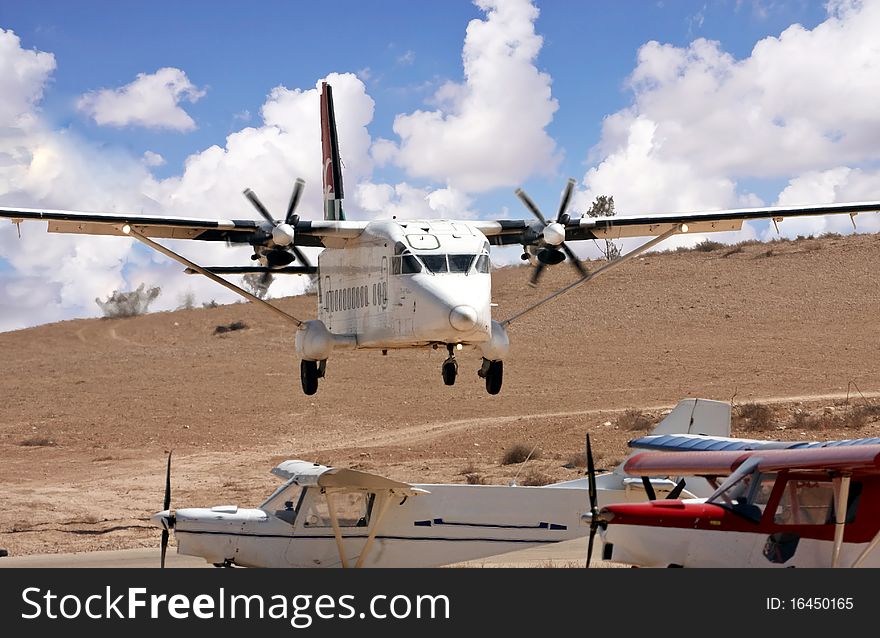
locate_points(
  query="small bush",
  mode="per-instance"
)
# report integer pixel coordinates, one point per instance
(475, 479)
(733, 251)
(536, 478)
(235, 325)
(128, 304)
(753, 416)
(802, 420)
(576, 460)
(517, 453)
(634, 420)
(38, 441)
(707, 246)
(210, 304)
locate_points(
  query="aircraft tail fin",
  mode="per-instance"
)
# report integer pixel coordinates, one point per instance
(332, 165)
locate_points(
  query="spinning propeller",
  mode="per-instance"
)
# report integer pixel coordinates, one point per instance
(166, 516)
(282, 231)
(555, 249)
(595, 520)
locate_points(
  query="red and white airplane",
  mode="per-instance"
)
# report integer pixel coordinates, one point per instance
(396, 283)
(812, 505)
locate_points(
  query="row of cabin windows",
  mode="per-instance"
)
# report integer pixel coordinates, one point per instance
(357, 297)
(352, 509)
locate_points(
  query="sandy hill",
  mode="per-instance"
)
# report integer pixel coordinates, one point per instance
(91, 406)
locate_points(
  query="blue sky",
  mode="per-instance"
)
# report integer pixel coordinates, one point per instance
(672, 105)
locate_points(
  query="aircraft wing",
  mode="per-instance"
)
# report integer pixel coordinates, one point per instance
(501, 232)
(311, 474)
(700, 442)
(243, 231)
(862, 458)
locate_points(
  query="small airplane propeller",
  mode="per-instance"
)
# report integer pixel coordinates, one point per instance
(166, 504)
(594, 504)
(553, 234)
(282, 231)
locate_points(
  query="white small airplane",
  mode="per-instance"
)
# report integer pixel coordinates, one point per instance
(798, 504)
(333, 517)
(394, 283)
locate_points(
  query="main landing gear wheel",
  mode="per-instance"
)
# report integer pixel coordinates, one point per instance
(309, 373)
(493, 372)
(450, 367)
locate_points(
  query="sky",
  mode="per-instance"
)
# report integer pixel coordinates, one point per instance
(444, 108)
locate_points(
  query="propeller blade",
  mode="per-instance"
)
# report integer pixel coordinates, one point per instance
(530, 205)
(290, 218)
(300, 256)
(253, 199)
(167, 502)
(566, 199)
(594, 505)
(536, 274)
(676, 491)
(164, 548)
(593, 529)
(572, 258)
(649, 488)
(266, 279)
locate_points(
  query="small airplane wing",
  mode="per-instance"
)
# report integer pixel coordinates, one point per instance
(501, 232)
(242, 231)
(311, 474)
(699, 442)
(862, 458)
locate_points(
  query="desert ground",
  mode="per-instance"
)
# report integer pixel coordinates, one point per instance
(787, 331)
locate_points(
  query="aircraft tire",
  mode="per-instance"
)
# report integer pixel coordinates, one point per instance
(308, 372)
(494, 377)
(449, 371)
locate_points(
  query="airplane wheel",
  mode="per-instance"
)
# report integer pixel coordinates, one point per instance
(494, 376)
(449, 370)
(308, 372)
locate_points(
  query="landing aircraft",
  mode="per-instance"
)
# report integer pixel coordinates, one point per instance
(337, 517)
(395, 283)
(807, 505)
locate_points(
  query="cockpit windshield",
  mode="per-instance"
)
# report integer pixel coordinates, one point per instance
(747, 494)
(405, 262)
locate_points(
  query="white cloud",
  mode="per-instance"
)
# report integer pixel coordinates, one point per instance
(489, 130)
(409, 202)
(23, 75)
(151, 100)
(702, 121)
(152, 159)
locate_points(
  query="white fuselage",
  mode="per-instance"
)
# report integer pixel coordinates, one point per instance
(407, 284)
(655, 546)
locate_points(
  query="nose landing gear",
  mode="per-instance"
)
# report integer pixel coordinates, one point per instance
(450, 366)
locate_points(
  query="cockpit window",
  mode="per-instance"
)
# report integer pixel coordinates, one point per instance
(435, 263)
(460, 263)
(747, 496)
(482, 264)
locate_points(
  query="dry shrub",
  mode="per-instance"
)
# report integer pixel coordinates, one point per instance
(474, 478)
(753, 416)
(470, 468)
(536, 477)
(738, 248)
(38, 441)
(235, 325)
(576, 460)
(802, 420)
(634, 419)
(708, 245)
(519, 452)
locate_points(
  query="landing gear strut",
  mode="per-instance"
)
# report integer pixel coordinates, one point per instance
(450, 366)
(309, 373)
(493, 372)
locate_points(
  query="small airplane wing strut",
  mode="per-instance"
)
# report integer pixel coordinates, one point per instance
(128, 230)
(842, 494)
(372, 535)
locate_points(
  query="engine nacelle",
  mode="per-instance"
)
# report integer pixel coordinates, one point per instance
(314, 342)
(498, 345)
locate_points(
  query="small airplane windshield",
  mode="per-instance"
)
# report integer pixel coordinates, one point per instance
(747, 496)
